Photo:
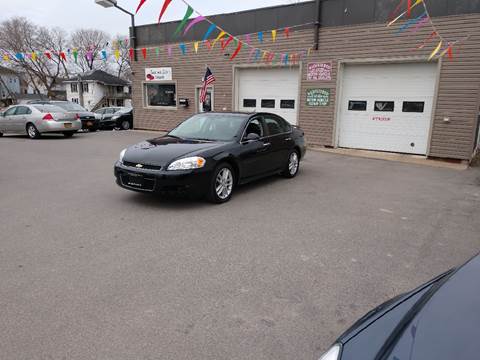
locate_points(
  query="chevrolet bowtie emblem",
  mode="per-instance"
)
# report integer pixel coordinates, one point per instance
(139, 166)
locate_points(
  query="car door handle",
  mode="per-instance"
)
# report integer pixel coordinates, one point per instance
(288, 138)
(266, 144)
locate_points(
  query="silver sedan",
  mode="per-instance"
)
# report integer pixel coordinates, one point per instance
(34, 120)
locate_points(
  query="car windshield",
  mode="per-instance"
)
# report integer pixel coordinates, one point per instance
(213, 127)
(69, 106)
(49, 108)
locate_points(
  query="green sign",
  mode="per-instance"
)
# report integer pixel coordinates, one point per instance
(318, 97)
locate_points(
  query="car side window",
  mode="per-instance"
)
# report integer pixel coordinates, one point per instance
(274, 125)
(110, 111)
(100, 112)
(11, 111)
(23, 110)
(255, 126)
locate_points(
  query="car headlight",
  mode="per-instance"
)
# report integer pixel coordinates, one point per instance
(332, 354)
(190, 163)
(122, 154)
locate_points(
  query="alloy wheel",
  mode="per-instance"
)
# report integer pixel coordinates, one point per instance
(32, 132)
(224, 183)
(293, 163)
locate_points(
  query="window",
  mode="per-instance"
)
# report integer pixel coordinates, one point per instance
(120, 89)
(268, 103)
(74, 88)
(11, 111)
(249, 103)
(255, 127)
(384, 106)
(160, 95)
(276, 125)
(75, 100)
(413, 106)
(23, 110)
(85, 88)
(287, 104)
(355, 105)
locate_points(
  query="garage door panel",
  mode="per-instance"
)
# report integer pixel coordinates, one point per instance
(397, 130)
(279, 84)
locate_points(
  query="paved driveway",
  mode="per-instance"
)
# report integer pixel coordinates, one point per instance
(91, 271)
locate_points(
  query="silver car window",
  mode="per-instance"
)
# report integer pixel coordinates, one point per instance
(11, 111)
(49, 109)
(23, 110)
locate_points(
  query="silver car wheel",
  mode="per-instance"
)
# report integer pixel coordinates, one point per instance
(293, 163)
(224, 183)
(126, 125)
(32, 132)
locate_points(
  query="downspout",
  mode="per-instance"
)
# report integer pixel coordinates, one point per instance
(317, 25)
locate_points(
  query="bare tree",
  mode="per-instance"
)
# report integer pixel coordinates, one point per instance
(19, 36)
(122, 63)
(90, 41)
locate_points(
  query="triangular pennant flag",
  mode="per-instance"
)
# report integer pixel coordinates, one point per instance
(140, 5)
(211, 28)
(63, 56)
(75, 55)
(257, 54)
(287, 32)
(164, 8)
(19, 56)
(144, 53)
(260, 36)
(448, 50)
(422, 22)
(34, 56)
(435, 51)
(195, 46)
(6, 57)
(286, 59)
(170, 50)
(228, 41)
(409, 8)
(252, 51)
(248, 39)
(104, 55)
(132, 53)
(192, 23)
(274, 35)
(239, 47)
(221, 35)
(184, 21)
(48, 55)
(157, 51)
(426, 41)
(117, 54)
(183, 48)
(410, 23)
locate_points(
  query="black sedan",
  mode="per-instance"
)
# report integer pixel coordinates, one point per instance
(437, 321)
(117, 118)
(211, 153)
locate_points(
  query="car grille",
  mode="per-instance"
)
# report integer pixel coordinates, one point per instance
(144, 166)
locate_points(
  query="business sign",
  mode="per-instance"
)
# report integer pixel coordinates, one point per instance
(318, 97)
(319, 71)
(158, 74)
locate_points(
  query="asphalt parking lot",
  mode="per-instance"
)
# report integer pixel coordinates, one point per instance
(91, 271)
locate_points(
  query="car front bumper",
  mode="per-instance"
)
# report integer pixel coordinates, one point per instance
(46, 126)
(192, 182)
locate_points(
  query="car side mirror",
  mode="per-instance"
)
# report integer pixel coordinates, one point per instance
(252, 137)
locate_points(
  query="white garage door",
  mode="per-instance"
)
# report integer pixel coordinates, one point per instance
(387, 107)
(269, 90)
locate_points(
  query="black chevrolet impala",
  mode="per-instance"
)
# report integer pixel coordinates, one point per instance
(211, 153)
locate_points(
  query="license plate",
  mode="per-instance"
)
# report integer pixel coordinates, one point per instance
(67, 125)
(135, 180)
(89, 123)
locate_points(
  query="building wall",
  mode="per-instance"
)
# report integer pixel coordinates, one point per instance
(458, 88)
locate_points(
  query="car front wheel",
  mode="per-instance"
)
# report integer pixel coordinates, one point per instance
(32, 132)
(292, 166)
(221, 184)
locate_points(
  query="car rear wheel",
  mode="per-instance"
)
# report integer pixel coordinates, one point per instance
(68, 134)
(1, 134)
(32, 132)
(221, 184)
(125, 125)
(292, 166)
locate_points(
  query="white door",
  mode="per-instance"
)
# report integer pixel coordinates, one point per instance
(387, 107)
(273, 90)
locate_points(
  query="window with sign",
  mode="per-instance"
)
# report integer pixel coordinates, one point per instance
(356, 105)
(413, 106)
(160, 95)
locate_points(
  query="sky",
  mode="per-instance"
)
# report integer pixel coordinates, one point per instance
(75, 14)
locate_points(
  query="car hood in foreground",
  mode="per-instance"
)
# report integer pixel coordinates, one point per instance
(162, 151)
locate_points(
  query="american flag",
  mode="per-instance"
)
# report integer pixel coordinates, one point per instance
(207, 80)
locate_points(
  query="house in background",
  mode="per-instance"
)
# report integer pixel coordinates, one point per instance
(9, 86)
(97, 89)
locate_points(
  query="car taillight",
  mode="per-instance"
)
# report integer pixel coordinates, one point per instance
(77, 117)
(48, 117)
